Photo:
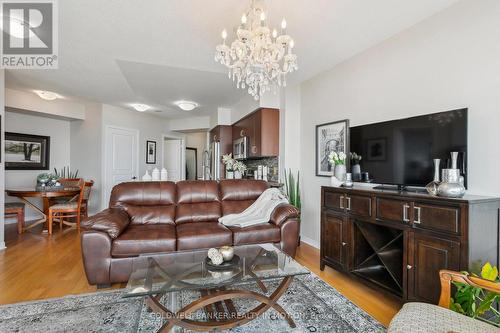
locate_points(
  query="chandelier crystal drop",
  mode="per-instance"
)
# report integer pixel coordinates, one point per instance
(259, 58)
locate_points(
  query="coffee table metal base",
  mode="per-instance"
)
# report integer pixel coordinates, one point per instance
(222, 320)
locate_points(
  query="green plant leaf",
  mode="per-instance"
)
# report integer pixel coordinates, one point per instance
(489, 272)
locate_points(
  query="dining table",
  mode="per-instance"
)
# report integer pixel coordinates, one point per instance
(47, 194)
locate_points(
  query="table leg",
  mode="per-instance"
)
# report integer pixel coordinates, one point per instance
(42, 220)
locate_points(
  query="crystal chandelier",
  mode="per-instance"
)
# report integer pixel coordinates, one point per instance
(258, 59)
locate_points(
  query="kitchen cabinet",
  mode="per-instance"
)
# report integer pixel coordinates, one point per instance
(261, 127)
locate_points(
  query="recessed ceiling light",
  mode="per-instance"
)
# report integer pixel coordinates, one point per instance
(141, 107)
(187, 105)
(47, 95)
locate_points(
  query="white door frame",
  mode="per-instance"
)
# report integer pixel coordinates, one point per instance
(183, 151)
(105, 159)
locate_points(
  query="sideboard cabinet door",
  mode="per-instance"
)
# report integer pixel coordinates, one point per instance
(334, 239)
(427, 255)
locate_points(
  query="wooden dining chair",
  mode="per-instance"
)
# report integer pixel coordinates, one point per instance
(71, 209)
(16, 209)
(86, 197)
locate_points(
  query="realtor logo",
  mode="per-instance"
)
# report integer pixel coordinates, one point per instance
(29, 34)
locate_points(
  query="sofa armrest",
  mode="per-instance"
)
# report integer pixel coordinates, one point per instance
(111, 221)
(96, 254)
(284, 212)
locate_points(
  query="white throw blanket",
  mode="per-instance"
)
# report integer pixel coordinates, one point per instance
(259, 212)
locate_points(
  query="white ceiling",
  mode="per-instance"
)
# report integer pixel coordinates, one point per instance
(159, 51)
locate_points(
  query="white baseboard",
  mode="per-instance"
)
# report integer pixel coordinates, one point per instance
(309, 241)
(2, 246)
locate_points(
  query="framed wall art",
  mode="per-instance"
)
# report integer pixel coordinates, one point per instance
(27, 152)
(150, 152)
(330, 137)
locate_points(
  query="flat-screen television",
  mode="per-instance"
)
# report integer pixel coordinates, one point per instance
(401, 152)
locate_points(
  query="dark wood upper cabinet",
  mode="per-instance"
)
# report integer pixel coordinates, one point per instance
(261, 127)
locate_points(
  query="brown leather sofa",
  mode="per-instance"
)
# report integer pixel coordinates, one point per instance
(154, 217)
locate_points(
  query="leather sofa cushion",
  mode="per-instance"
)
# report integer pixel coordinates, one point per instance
(202, 235)
(284, 212)
(235, 207)
(197, 201)
(146, 202)
(237, 195)
(238, 189)
(140, 239)
(257, 234)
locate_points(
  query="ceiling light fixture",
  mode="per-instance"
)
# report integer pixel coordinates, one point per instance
(141, 107)
(259, 57)
(187, 105)
(47, 95)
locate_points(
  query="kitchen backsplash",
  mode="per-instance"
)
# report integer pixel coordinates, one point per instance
(270, 162)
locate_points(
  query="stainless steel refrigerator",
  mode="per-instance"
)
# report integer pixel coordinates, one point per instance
(215, 161)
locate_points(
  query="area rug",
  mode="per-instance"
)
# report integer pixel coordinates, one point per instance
(314, 306)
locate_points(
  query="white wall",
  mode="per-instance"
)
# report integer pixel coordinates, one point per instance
(30, 101)
(197, 140)
(290, 134)
(59, 132)
(449, 61)
(2, 158)
(85, 151)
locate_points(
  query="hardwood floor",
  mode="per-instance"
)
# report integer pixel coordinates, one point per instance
(36, 266)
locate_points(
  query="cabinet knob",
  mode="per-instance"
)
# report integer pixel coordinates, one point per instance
(409, 267)
(344, 243)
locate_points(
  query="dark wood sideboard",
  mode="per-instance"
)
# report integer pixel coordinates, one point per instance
(398, 241)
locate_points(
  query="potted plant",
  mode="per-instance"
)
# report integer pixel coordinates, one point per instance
(338, 162)
(356, 168)
(239, 169)
(474, 301)
(228, 162)
(292, 189)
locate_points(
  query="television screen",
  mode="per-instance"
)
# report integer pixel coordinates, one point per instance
(401, 152)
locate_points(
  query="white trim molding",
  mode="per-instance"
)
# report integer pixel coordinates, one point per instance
(2, 246)
(309, 241)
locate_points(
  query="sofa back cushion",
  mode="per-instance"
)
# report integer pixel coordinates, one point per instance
(237, 195)
(146, 202)
(197, 201)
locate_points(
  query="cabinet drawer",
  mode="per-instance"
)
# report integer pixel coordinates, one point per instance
(393, 210)
(334, 200)
(439, 218)
(359, 205)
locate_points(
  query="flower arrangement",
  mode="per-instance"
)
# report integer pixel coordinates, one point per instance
(239, 166)
(228, 161)
(337, 159)
(355, 158)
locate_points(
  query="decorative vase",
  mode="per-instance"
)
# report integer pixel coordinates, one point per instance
(348, 180)
(146, 177)
(432, 187)
(454, 159)
(356, 172)
(237, 175)
(229, 174)
(155, 175)
(340, 171)
(335, 182)
(227, 252)
(164, 174)
(451, 187)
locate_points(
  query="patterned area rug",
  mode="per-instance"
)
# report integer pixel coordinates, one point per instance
(314, 306)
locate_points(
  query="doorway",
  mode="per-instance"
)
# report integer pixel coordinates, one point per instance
(121, 161)
(191, 163)
(174, 158)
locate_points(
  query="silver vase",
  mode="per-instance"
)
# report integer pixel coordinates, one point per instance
(451, 186)
(432, 187)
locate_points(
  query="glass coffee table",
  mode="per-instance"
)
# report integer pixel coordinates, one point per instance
(159, 277)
